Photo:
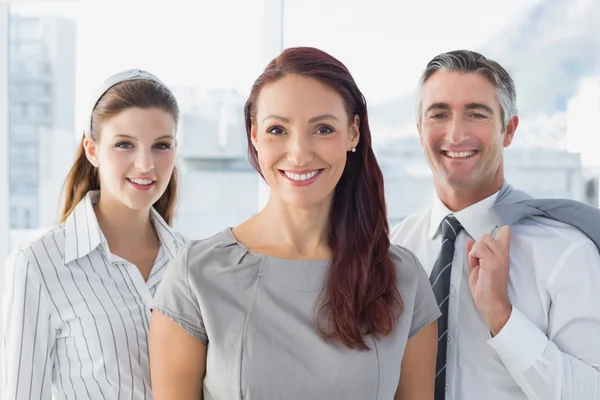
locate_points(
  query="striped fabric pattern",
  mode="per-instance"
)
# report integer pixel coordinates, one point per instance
(76, 317)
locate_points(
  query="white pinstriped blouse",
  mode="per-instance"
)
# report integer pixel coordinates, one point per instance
(76, 317)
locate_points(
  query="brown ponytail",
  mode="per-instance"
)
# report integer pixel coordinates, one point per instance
(82, 178)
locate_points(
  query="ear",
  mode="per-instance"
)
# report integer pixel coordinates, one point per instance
(420, 136)
(91, 150)
(354, 133)
(254, 136)
(511, 127)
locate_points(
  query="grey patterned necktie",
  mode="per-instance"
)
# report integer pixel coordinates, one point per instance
(440, 282)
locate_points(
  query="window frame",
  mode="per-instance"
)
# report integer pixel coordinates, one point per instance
(4, 203)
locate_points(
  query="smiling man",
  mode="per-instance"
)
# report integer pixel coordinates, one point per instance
(520, 305)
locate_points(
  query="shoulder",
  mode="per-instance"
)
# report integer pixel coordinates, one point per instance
(180, 239)
(39, 254)
(217, 263)
(552, 249)
(219, 243)
(213, 254)
(49, 243)
(415, 221)
(548, 232)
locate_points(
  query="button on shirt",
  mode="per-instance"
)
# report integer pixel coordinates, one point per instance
(76, 317)
(549, 349)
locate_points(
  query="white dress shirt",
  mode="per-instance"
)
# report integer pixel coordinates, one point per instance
(550, 347)
(76, 317)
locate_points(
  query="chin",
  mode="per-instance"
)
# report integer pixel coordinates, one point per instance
(139, 204)
(306, 202)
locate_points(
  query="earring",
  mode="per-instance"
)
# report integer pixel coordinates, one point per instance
(354, 149)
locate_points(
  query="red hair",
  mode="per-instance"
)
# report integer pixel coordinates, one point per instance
(360, 295)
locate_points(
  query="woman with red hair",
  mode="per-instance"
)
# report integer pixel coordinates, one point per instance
(307, 299)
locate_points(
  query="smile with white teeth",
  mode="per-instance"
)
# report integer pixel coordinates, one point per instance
(303, 177)
(144, 182)
(459, 154)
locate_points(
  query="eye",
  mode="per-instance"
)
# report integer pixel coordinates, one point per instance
(324, 130)
(275, 130)
(479, 116)
(438, 116)
(162, 146)
(124, 145)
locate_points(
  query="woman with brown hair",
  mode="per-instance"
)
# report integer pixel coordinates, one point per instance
(76, 300)
(307, 299)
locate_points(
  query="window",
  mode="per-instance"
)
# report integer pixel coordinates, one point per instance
(208, 56)
(27, 223)
(387, 44)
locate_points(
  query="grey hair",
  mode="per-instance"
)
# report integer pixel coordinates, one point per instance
(466, 61)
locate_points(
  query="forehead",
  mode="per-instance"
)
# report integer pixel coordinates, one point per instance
(457, 90)
(141, 123)
(295, 96)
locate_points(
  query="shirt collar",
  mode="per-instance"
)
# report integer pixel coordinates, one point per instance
(83, 233)
(169, 238)
(475, 219)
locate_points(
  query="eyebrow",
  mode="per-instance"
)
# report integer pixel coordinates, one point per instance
(322, 117)
(474, 106)
(470, 106)
(437, 106)
(159, 138)
(277, 117)
(310, 121)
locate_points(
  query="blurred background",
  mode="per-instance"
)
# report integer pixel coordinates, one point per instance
(55, 53)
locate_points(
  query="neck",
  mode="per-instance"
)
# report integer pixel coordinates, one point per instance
(122, 226)
(459, 198)
(301, 232)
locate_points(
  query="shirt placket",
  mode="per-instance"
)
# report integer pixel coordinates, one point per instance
(136, 283)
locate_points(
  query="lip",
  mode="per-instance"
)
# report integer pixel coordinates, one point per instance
(300, 172)
(297, 172)
(142, 188)
(445, 154)
(458, 150)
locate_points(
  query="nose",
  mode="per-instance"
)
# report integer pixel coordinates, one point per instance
(457, 130)
(144, 161)
(300, 151)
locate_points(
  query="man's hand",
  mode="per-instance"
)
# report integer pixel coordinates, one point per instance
(489, 265)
